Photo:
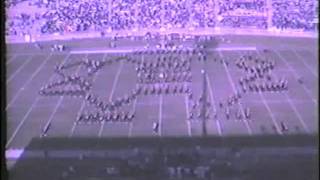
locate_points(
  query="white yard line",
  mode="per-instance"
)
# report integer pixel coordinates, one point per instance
(134, 104)
(115, 82)
(82, 105)
(131, 123)
(78, 115)
(214, 107)
(111, 94)
(11, 59)
(160, 114)
(297, 114)
(270, 113)
(19, 69)
(234, 90)
(187, 113)
(273, 119)
(294, 109)
(29, 111)
(54, 112)
(297, 76)
(305, 64)
(28, 81)
(59, 103)
(21, 122)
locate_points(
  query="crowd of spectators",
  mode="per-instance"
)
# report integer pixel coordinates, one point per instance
(123, 14)
(202, 13)
(295, 14)
(176, 14)
(149, 13)
(24, 21)
(244, 21)
(74, 15)
(71, 16)
(227, 6)
(238, 14)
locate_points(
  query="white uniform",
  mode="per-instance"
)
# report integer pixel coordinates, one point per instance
(155, 127)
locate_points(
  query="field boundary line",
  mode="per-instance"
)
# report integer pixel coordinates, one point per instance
(115, 82)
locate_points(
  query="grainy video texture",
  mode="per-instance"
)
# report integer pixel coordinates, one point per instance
(162, 89)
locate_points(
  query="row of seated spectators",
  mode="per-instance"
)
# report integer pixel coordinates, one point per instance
(100, 15)
(243, 13)
(226, 6)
